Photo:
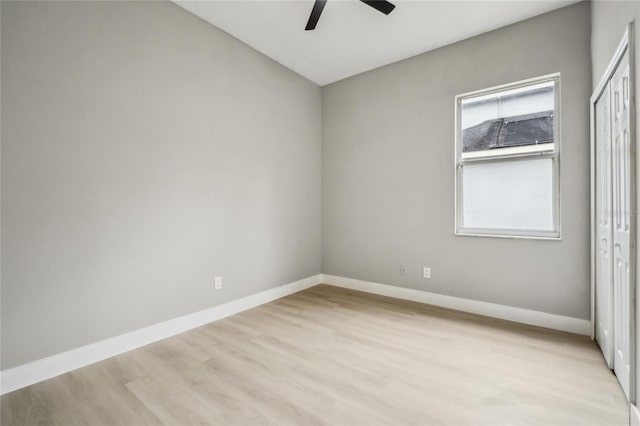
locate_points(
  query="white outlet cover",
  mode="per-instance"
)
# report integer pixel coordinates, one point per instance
(218, 283)
(426, 273)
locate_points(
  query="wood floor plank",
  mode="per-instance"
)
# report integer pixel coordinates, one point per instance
(331, 356)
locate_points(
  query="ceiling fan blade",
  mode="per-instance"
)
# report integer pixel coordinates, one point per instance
(380, 5)
(315, 14)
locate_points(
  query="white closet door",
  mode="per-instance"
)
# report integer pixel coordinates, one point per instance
(604, 237)
(621, 221)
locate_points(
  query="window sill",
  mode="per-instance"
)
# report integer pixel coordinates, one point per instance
(547, 236)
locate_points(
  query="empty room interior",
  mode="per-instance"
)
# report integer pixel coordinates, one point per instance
(319, 212)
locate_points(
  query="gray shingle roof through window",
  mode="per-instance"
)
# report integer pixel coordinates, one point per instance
(519, 130)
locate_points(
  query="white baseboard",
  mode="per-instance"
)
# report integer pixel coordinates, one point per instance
(634, 415)
(510, 313)
(36, 371)
(42, 369)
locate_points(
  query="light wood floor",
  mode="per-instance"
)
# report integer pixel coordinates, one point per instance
(333, 356)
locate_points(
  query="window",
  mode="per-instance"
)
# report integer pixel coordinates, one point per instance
(507, 160)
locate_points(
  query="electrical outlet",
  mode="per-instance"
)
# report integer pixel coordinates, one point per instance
(218, 283)
(426, 273)
(403, 269)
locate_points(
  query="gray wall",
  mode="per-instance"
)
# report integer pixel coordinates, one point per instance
(143, 153)
(388, 174)
(609, 20)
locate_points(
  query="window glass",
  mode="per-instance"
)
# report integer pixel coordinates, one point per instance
(508, 195)
(507, 122)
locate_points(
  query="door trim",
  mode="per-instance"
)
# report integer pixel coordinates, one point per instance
(626, 45)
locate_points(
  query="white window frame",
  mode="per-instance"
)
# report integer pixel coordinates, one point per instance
(510, 154)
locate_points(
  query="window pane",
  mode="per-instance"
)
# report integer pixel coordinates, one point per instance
(509, 120)
(515, 194)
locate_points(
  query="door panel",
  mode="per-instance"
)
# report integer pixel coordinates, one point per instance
(604, 263)
(622, 228)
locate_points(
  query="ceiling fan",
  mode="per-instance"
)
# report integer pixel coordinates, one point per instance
(379, 5)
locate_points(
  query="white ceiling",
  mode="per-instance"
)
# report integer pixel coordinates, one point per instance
(352, 37)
